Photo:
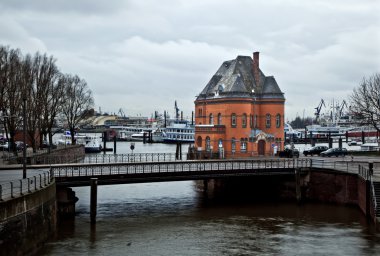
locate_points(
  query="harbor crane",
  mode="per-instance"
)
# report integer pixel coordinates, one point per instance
(318, 110)
(121, 113)
(344, 104)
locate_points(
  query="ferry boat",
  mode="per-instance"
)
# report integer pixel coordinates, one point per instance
(179, 131)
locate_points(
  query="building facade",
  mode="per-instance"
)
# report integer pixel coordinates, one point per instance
(240, 112)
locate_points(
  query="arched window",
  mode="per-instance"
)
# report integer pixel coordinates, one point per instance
(233, 120)
(211, 119)
(278, 120)
(233, 145)
(267, 120)
(244, 120)
(255, 121)
(208, 144)
(251, 121)
(200, 112)
(219, 118)
(220, 144)
(199, 141)
(243, 145)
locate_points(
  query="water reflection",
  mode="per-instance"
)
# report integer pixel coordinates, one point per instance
(174, 218)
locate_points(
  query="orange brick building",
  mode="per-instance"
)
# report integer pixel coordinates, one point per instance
(240, 112)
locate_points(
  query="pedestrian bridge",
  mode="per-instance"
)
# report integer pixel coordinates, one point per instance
(94, 174)
(72, 175)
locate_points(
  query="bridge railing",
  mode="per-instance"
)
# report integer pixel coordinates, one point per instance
(367, 174)
(133, 157)
(16, 188)
(346, 166)
(75, 170)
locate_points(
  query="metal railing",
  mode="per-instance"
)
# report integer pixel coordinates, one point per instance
(133, 157)
(252, 165)
(367, 174)
(17, 188)
(345, 166)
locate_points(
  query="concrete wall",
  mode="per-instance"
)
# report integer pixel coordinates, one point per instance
(317, 186)
(27, 222)
(332, 187)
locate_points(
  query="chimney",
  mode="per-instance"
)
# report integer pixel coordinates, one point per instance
(255, 66)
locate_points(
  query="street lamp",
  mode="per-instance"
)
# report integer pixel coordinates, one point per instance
(24, 138)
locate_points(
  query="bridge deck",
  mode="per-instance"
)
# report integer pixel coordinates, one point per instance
(117, 173)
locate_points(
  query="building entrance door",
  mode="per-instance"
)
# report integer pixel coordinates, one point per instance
(261, 148)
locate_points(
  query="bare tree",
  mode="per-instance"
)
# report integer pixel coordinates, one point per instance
(12, 101)
(365, 101)
(45, 74)
(53, 105)
(77, 102)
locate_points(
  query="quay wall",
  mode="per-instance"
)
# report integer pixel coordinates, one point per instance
(61, 155)
(28, 221)
(322, 186)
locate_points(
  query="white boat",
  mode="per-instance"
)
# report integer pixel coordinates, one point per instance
(124, 133)
(91, 143)
(290, 132)
(323, 131)
(157, 135)
(370, 146)
(179, 131)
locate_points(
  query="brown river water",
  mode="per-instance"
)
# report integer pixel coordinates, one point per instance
(176, 218)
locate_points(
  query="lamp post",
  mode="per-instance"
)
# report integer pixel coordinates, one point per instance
(24, 138)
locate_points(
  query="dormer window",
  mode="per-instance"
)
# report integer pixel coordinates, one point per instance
(221, 88)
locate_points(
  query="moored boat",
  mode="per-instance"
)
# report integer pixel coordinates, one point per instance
(179, 131)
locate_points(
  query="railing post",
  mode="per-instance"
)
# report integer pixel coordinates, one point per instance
(93, 199)
(1, 193)
(35, 183)
(20, 187)
(12, 189)
(29, 185)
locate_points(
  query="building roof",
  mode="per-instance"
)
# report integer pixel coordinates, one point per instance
(236, 78)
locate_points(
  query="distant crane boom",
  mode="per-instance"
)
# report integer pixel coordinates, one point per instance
(318, 109)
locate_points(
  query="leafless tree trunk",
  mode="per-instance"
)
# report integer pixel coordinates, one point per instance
(45, 75)
(13, 94)
(53, 104)
(77, 103)
(365, 101)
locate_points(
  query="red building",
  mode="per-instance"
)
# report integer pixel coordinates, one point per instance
(240, 112)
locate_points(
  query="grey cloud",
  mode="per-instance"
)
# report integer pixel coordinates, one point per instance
(134, 52)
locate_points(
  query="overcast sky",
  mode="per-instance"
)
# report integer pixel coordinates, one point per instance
(141, 56)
